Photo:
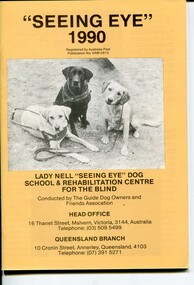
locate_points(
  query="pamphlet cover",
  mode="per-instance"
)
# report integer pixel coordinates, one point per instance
(94, 135)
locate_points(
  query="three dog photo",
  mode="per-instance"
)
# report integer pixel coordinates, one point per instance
(98, 113)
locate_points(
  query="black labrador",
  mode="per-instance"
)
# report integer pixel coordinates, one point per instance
(76, 95)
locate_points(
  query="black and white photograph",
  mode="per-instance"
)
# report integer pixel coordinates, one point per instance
(100, 113)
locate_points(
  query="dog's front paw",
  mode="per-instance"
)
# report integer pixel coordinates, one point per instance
(74, 132)
(105, 139)
(79, 157)
(83, 159)
(124, 151)
(85, 124)
(93, 147)
(136, 134)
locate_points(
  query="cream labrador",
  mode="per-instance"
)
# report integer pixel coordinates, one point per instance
(53, 122)
(118, 114)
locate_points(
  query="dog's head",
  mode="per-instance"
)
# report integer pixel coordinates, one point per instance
(115, 94)
(77, 76)
(57, 117)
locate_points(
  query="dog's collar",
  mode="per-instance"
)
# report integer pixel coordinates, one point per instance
(69, 96)
(56, 137)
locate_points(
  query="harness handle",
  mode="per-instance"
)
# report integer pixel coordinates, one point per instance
(13, 118)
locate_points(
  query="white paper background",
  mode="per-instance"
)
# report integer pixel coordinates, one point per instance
(178, 278)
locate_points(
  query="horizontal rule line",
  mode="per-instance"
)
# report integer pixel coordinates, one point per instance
(83, 271)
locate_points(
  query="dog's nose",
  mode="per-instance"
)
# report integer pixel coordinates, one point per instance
(109, 101)
(57, 129)
(76, 83)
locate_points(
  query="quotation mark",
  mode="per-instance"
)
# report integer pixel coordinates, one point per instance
(27, 18)
(147, 16)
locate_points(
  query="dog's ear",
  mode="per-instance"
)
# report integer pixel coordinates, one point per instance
(125, 97)
(45, 114)
(88, 74)
(66, 71)
(67, 111)
(105, 85)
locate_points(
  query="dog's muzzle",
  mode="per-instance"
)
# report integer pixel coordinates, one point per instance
(76, 84)
(109, 101)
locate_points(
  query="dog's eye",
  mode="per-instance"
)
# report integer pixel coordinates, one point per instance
(119, 93)
(60, 116)
(51, 118)
(110, 89)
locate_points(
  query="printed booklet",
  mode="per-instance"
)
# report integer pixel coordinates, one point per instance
(94, 135)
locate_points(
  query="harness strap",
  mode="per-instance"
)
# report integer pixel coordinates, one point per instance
(54, 153)
(22, 109)
(56, 137)
(69, 96)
